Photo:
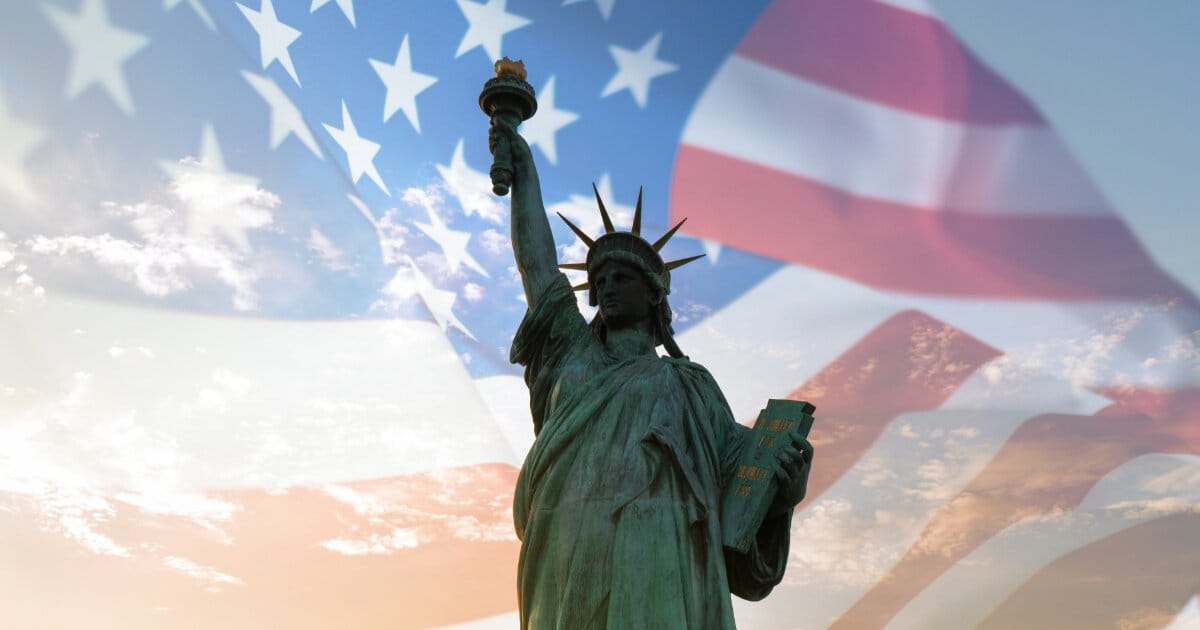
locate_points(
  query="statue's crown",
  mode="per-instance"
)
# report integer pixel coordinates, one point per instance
(628, 247)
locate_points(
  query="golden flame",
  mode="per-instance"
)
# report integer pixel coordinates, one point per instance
(510, 67)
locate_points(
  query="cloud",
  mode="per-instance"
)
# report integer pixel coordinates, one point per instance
(472, 292)
(466, 504)
(328, 253)
(164, 260)
(493, 242)
(199, 571)
(374, 544)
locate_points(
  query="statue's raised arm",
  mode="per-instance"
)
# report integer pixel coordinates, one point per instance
(532, 240)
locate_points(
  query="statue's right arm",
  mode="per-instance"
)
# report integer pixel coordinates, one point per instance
(532, 240)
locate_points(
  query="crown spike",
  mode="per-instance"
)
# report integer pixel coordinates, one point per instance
(575, 266)
(662, 240)
(587, 240)
(581, 287)
(682, 261)
(608, 224)
(637, 215)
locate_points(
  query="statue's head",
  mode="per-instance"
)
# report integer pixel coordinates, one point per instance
(627, 278)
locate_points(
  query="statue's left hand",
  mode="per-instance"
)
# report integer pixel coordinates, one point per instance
(791, 471)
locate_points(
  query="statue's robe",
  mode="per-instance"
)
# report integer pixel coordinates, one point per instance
(618, 501)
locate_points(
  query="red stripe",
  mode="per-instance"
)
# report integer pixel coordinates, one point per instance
(904, 248)
(884, 54)
(289, 580)
(1140, 577)
(887, 373)
(1049, 464)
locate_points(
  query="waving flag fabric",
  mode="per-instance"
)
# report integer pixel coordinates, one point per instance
(257, 300)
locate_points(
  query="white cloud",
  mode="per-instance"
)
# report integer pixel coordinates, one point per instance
(472, 292)
(374, 544)
(493, 242)
(163, 262)
(199, 571)
(328, 253)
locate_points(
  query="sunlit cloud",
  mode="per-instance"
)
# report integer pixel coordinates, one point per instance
(374, 544)
(199, 571)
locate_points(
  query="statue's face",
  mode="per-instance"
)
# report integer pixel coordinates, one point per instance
(623, 294)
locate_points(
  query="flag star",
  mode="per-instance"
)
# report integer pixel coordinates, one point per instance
(98, 49)
(487, 25)
(605, 6)
(285, 117)
(360, 152)
(581, 209)
(218, 200)
(403, 85)
(452, 242)
(347, 7)
(439, 302)
(274, 37)
(472, 188)
(539, 131)
(20, 138)
(635, 69)
(197, 7)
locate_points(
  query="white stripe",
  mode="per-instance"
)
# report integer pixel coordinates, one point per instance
(122, 396)
(507, 397)
(1145, 488)
(850, 537)
(873, 150)
(798, 320)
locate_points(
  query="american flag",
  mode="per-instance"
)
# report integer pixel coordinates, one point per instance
(257, 300)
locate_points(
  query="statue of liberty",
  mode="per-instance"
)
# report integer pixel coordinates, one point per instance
(618, 502)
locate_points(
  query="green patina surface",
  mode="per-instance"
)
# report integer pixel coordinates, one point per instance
(617, 504)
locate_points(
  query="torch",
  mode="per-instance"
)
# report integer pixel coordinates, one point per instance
(510, 98)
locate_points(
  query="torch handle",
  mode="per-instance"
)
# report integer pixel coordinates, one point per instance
(502, 167)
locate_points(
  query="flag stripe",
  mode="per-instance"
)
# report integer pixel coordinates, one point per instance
(1146, 488)
(1028, 477)
(873, 150)
(880, 377)
(1148, 580)
(903, 248)
(884, 54)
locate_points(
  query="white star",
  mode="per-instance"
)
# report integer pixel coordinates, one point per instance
(453, 243)
(403, 85)
(636, 69)
(97, 50)
(360, 152)
(472, 188)
(285, 117)
(20, 138)
(347, 7)
(582, 210)
(440, 303)
(197, 7)
(219, 200)
(539, 131)
(487, 24)
(605, 6)
(274, 37)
